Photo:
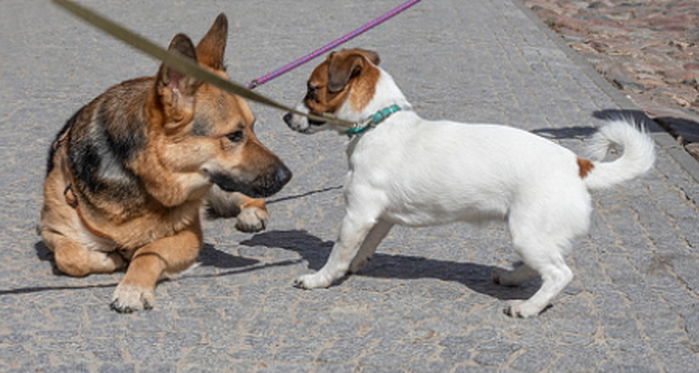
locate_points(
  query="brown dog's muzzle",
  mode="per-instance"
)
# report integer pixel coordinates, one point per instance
(265, 185)
(261, 174)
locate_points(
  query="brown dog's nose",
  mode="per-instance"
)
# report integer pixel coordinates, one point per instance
(283, 175)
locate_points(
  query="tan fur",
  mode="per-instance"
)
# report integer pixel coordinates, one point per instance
(152, 220)
(584, 167)
(363, 89)
(258, 203)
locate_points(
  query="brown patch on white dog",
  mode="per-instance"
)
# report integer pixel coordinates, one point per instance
(584, 167)
(351, 71)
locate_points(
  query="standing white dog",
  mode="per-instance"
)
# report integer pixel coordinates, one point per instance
(410, 171)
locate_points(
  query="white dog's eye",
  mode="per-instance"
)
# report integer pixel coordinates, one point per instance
(312, 92)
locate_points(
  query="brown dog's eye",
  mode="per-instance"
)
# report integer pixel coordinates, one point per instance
(236, 136)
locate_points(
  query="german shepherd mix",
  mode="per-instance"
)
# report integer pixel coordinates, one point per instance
(129, 172)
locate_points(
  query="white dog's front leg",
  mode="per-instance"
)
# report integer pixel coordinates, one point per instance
(355, 228)
(368, 247)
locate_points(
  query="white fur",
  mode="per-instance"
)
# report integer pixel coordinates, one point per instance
(415, 172)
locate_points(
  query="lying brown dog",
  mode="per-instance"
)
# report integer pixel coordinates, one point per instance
(129, 172)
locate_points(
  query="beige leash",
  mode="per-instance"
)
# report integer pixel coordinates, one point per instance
(182, 64)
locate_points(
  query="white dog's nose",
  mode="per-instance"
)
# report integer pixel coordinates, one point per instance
(295, 122)
(287, 118)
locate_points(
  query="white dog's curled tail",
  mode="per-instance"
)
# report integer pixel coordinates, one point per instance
(637, 157)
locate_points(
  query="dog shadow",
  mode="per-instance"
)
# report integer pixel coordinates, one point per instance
(567, 133)
(636, 116)
(46, 255)
(209, 256)
(476, 277)
(683, 129)
(686, 129)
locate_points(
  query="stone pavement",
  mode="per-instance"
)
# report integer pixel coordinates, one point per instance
(647, 48)
(425, 304)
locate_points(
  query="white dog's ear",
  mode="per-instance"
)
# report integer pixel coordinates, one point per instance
(347, 64)
(371, 56)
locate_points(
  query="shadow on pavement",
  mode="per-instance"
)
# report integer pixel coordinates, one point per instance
(38, 289)
(565, 133)
(45, 255)
(474, 276)
(686, 130)
(637, 116)
(209, 256)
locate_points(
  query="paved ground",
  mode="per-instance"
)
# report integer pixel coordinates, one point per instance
(425, 303)
(647, 48)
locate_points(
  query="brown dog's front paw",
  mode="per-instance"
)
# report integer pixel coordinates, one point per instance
(131, 298)
(252, 219)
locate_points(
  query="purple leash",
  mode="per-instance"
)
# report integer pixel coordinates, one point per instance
(373, 23)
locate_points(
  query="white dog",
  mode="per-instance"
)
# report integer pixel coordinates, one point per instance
(410, 171)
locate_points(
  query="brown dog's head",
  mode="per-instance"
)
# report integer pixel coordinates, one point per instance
(208, 131)
(342, 85)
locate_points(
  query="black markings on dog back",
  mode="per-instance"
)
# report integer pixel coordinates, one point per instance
(99, 155)
(98, 172)
(55, 145)
(85, 162)
(125, 135)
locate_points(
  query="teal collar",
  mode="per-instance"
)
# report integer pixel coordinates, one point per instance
(373, 121)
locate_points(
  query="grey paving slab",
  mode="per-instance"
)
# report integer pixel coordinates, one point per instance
(425, 303)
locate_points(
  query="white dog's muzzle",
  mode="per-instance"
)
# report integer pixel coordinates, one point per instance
(302, 124)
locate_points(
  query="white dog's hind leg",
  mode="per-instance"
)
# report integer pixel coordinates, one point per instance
(521, 273)
(555, 275)
(355, 228)
(372, 240)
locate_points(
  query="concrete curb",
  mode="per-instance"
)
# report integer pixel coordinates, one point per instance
(659, 134)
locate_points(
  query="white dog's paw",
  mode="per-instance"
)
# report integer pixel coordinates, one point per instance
(358, 264)
(252, 219)
(130, 298)
(312, 281)
(522, 309)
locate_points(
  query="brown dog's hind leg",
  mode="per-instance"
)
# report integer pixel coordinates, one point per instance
(150, 263)
(74, 259)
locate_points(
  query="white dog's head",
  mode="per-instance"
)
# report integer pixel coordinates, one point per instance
(342, 85)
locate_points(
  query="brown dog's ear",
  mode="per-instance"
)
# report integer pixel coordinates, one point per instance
(212, 46)
(175, 89)
(345, 66)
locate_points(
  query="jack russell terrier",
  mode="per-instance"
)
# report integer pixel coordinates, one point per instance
(415, 172)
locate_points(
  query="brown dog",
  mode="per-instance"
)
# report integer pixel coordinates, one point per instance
(128, 174)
